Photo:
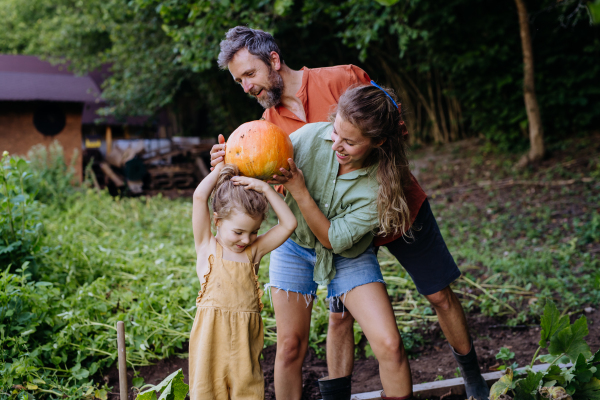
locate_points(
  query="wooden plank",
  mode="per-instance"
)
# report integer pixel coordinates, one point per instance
(111, 174)
(446, 387)
(122, 360)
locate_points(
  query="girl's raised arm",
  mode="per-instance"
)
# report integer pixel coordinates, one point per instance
(200, 210)
(287, 221)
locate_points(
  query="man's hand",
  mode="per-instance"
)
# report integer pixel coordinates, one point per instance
(217, 153)
(251, 183)
(292, 180)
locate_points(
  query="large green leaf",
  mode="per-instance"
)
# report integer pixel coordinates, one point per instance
(588, 391)
(147, 395)
(502, 385)
(554, 374)
(581, 370)
(526, 388)
(171, 388)
(570, 341)
(551, 323)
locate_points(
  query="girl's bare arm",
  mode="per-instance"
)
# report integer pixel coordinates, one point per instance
(200, 210)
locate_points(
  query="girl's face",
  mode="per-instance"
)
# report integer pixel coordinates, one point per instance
(350, 146)
(237, 231)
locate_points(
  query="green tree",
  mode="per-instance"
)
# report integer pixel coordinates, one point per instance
(457, 66)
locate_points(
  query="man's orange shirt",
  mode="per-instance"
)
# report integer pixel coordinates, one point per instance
(320, 91)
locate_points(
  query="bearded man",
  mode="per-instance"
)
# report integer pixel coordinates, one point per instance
(292, 99)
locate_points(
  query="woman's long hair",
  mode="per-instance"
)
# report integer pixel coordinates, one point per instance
(375, 115)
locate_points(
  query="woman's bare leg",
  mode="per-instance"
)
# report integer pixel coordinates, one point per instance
(292, 316)
(371, 307)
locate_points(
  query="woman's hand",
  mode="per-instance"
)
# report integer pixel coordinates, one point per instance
(217, 153)
(292, 180)
(251, 183)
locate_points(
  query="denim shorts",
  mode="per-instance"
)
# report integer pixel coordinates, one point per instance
(425, 256)
(291, 269)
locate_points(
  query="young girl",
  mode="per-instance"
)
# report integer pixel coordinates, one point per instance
(227, 335)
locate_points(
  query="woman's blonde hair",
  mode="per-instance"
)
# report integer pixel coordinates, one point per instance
(376, 116)
(226, 196)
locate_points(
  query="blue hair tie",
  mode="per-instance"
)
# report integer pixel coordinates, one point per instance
(386, 93)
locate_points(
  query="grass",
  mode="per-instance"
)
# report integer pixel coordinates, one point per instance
(102, 259)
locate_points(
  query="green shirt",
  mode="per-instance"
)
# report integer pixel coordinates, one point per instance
(349, 201)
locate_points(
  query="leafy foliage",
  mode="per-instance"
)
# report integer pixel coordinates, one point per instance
(101, 260)
(565, 340)
(52, 178)
(504, 354)
(162, 53)
(20, 227)
(171, 388)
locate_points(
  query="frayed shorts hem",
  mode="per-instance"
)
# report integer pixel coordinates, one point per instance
(331, 297)
(308, 297)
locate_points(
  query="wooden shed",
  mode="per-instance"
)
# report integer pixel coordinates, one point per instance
(40, 103)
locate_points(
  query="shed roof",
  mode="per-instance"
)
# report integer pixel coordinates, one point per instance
(27, 78)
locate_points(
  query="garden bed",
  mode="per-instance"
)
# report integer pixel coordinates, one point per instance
(519, 238)
(431, 362)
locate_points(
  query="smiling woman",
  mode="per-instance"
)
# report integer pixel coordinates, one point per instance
(346, 180)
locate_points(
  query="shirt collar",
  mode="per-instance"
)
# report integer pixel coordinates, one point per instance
(326, 134)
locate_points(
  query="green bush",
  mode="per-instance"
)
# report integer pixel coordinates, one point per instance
(53, 180)
(20, 226)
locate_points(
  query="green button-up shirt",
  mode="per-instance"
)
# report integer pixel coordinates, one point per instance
(349, 201)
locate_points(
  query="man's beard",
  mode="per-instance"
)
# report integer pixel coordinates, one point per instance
(273, 93)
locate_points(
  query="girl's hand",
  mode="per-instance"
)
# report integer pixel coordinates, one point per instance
(217, 153)
(251, 183)
(292, 180)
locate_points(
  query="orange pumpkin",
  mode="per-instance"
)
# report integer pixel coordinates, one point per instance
(259, 149)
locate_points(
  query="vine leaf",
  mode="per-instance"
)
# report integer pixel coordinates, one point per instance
(551, 323)
(554, 374)
(526, 388)
(569, 341)
(588, 391)
(581, 370)
(172, 388)
(502, 385)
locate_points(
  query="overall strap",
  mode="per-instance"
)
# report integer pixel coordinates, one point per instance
(249, 254)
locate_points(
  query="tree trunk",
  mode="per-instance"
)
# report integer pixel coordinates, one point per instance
(536, 132)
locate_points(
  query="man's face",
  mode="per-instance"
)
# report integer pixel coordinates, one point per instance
(257, 78)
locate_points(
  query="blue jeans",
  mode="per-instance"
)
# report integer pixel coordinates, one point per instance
(291, 269)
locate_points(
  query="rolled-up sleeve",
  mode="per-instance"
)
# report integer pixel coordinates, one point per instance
(345, 231)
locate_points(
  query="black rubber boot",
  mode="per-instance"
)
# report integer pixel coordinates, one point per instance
(475, 384)
(336, 389)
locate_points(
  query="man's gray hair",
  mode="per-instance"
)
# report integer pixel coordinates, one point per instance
(258, 43)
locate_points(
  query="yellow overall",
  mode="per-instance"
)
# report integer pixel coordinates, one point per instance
(227, 336)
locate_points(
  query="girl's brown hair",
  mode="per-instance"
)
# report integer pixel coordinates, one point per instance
(375, 115)
(226, 196)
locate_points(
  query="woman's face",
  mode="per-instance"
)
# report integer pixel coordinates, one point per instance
(350, 146)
